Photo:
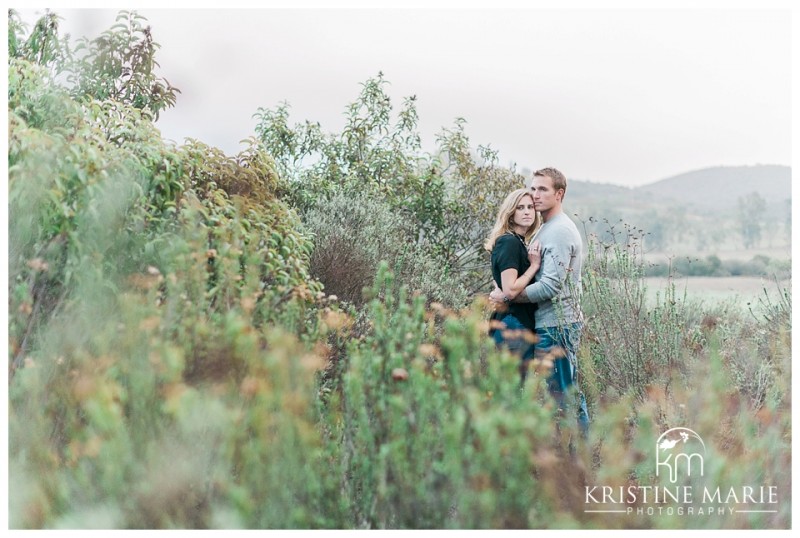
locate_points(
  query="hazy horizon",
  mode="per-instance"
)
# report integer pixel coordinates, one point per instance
(685, 172)
(621, 97)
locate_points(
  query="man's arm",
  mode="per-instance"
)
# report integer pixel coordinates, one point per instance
(555, 263)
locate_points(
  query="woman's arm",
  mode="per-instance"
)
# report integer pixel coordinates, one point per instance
(514, 283)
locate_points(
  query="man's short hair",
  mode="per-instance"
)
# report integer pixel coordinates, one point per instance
(559, 179)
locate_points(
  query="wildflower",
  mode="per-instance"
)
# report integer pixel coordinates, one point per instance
(399, 374)
(38, 264)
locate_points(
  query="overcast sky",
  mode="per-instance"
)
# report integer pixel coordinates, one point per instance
(618, 96)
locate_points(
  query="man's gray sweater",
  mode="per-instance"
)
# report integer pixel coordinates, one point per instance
(556, 287)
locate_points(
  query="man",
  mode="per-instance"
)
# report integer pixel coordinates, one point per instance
(556, 287)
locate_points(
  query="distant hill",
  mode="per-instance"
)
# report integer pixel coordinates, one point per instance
(711, 189)
(695, 211)
(721, 187)
(581, 193)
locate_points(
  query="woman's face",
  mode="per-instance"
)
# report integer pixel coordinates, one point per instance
(525, 213)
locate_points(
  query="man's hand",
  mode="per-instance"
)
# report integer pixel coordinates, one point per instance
(496, 299)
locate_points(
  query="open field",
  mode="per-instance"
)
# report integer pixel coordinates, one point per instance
(779, 253)
(742, 290)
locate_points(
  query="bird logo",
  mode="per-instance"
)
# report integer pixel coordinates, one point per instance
(679, 449)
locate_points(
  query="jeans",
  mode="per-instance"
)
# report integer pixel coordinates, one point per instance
(516, 345)
(562, 380)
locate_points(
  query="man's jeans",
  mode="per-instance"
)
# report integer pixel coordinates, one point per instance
(562, 381)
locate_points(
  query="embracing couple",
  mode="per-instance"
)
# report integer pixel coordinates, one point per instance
(536, 266)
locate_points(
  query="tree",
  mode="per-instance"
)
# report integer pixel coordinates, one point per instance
(751, 218)
(787, 224)
(117, 66)
(449, 198)
(43, 46)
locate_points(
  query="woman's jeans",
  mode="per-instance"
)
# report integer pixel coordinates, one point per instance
(516, 344)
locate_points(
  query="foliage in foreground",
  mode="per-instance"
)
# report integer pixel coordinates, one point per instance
(413, 422)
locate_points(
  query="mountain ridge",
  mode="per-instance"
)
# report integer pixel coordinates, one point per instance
(716, 188)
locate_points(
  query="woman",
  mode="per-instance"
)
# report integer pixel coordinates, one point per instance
(513, 267)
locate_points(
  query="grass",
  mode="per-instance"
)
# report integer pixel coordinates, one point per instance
(740, 291)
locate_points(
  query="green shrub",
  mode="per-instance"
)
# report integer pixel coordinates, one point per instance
(631, 342)
(713, 266)
(430, 424)
(143, 279)
(448, 199)
(354, 232)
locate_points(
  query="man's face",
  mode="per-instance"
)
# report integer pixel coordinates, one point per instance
(545, 197)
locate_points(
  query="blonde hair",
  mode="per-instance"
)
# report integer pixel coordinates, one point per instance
(505, 217)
